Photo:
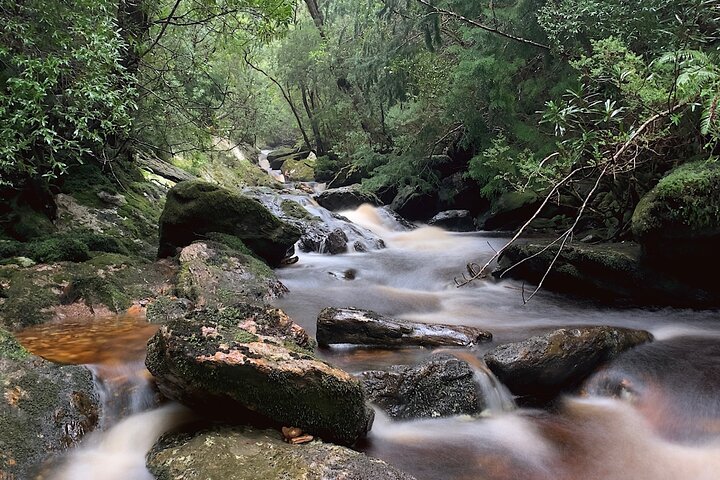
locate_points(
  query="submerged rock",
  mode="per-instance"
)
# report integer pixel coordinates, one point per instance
(45, 408)
(363, 327)
(454, 220)
(345, 198)
(543, 366)
(213, 274)
(195, 208)
(246, 453)
(439, 387)
(252, 361)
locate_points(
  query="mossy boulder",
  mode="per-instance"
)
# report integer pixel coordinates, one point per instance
(345, 198)
(213, 274)
(612, 273)
(299, 169)
(279, 156)
(247, 453)
(44, 408)
(678, 222)
(195, 208)
(510, 211)
(253, 362)
(541, 367)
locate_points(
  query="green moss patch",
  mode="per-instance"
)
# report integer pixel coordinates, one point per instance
(685, 202)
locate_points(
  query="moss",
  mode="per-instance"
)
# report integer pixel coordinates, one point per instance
(10, 248)
(301, 170)
(230, 241)
(96, 290)
(10, 348)
(295, 210)
(29, 224)
(687, 201)
(243, 336)
(84, 182)
(29, 294)
(58, 249)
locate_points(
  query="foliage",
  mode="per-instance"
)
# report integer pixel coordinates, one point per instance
(64, 93)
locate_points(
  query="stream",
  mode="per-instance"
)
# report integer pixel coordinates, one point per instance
(665, 425)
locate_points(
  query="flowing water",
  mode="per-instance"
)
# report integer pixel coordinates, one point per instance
(653, 414)
(113, 348)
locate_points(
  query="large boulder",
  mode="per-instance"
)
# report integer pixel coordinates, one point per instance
(45, 408)
(299, 169)
(195, 208)
(543, 366)
(246, 453)
(613, 273)
(213, 274)
(510, 211)
(415, 206)
(678, 222)
(253, 361)
(454, 220)
(278, 157)
(439, 387)
(363, 327)
(345, 198)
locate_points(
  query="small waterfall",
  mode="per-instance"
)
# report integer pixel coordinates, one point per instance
(124, 389)
(496, 396)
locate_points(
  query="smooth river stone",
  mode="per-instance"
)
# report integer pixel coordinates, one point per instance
(363, 327)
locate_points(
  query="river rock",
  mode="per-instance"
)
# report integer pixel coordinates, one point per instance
(441, 386)
(415, 206)
(246, 453)
(45, 408)
(345, 198)
(214, 274)
(299, 169)
(363, 327)
(195, 208)
(543, 366)
(678, 222)
(277, 157)
(510, 211)
(253, 361)
(454, 220)
(321, 241)
(612, 273)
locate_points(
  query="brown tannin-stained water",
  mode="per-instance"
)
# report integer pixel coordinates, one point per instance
(653, 414)
(113, 348)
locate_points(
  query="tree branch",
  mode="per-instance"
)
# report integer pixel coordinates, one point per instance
(477, 24)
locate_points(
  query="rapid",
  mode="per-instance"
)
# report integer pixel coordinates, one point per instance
(653, 414)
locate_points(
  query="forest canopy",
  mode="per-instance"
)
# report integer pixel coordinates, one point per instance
(457, 100)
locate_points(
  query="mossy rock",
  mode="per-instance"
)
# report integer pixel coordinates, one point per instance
(678, 222)
(214, 274)
(44, 409)
(252, 361)
(610, 273)
(299, 170)
(247, 453)
(510, 211)
(195, 208)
